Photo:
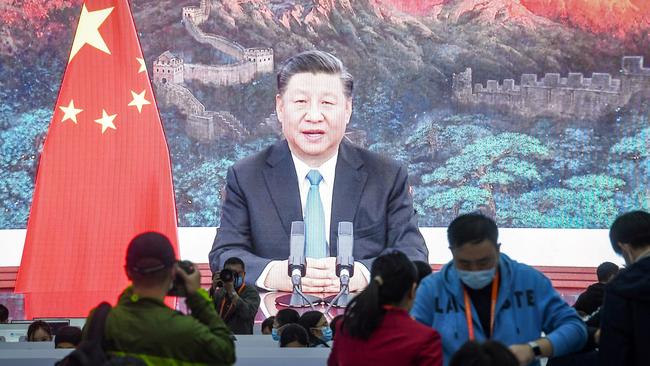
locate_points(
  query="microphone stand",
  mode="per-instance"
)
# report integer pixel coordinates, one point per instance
(297, 299)
(342, 299)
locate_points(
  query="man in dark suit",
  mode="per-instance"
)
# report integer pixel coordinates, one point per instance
(315, 177)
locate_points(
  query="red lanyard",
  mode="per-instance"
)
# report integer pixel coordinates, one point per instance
(493, 305)
(223, 302)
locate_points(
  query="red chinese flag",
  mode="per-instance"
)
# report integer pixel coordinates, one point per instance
(104, 174)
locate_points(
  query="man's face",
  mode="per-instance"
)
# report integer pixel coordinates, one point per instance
(476, 257)
(237, 268)
(314, 113)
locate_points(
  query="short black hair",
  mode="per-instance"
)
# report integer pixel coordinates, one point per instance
(631, 228)
(4, 314)
(234, 261)
(423, 268)
(334, 323)
(606, 271)
(68, 334)
(286, 316)
(472, 228)
(314, 62)
(268, 323)
(489, 353)
(292, 333)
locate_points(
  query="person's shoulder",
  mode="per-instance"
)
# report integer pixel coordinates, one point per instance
(522, 271)
(417, 330)
(251, 291)
(633, 281)
(260, 158)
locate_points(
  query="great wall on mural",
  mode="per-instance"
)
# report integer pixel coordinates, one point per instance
(170, 72)
(554, 96)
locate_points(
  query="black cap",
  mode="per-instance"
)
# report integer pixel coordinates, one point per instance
(149, 252)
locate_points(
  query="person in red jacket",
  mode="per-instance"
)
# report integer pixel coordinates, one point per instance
(377, 329)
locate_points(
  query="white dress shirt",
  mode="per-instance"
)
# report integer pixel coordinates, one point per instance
(326, 190)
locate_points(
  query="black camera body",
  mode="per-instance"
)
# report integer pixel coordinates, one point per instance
(178, 289)
(226, 275)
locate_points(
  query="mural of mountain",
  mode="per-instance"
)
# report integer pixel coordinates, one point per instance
(403, 55)
(618, 17)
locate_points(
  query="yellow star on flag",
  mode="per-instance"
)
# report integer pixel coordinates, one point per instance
(88, 31)
(106, 121)
(143, 67)
(70, 112)
(139, 100)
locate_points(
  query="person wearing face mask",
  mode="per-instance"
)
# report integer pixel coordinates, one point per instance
(625, 315)
(482, 294)
(377, 329)
(282, 318)
(317, 328)
(236, 303)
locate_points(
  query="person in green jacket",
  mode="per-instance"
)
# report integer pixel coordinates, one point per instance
(142, 326)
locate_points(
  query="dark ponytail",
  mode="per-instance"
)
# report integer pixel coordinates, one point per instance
(391, 277)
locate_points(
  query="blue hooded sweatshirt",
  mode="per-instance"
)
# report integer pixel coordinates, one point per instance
(527, 305)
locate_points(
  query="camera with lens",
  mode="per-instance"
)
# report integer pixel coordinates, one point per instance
(178, 289)
(226, 275)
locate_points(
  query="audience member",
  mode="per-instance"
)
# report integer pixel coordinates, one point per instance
(39, 331)
(236, 303)
(267, 325)
(377, 329)
(489, 353)
(67, 337)
(334, 323)
(625, 316)
(294, 336)
(423, 268)
(4, 314)
(483, 294)
(590, 300)
(282, 318)
(317, 328)
(142, 326)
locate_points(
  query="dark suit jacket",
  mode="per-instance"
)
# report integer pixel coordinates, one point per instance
(262, 199)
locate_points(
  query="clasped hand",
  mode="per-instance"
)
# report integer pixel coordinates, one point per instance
(320, 276)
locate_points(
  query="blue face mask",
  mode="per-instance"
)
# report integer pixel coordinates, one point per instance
(477, 279)
(238, 282)
(327, 333)
(275, 335)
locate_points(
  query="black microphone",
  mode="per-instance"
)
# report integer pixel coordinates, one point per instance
(344, 257)
(297, 260)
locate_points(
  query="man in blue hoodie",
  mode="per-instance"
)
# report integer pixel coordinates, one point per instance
(483, 294)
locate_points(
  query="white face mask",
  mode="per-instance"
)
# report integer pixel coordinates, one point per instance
(477, 279)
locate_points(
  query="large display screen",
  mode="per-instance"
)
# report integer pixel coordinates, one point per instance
(535, 112)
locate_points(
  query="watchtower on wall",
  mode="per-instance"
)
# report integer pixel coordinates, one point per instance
(634, 77)
(168, 68)
(261, 57)
(462, 86)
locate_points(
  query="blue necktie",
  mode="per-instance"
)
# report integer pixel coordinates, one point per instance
(315, 246)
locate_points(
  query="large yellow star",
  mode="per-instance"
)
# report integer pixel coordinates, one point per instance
(138, 100)
(70, 112)
(106, 121)
(88, 31)
(143, 67)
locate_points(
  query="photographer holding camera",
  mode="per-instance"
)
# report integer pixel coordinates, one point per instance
(235, 302)
(142, 326)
